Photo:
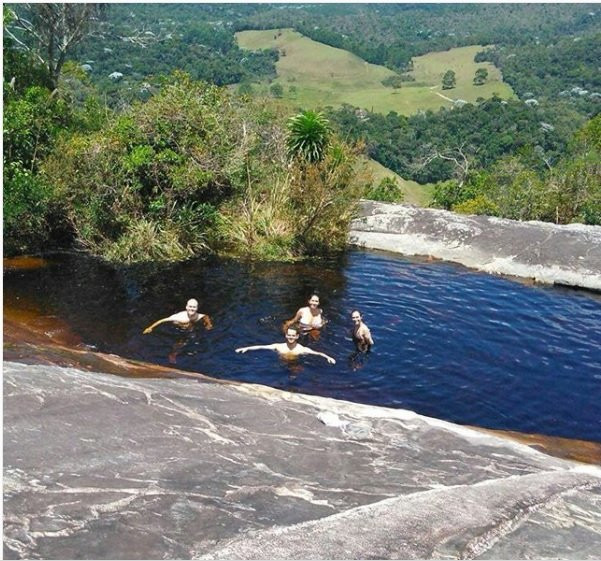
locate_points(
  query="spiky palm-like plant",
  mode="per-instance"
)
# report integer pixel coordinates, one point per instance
(308, 136)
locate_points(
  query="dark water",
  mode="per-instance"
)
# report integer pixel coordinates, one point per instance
(450, 343)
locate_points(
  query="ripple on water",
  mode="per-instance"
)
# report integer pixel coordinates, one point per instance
(450, 343)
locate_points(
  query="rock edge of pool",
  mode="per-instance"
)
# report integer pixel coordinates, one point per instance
(104, 467)
(539, 251)
(170, 464)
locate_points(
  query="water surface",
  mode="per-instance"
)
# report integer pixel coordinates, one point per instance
(450, 343)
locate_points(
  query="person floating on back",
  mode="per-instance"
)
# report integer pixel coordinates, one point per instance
(360, 333)
(290, 349)
(187, 318)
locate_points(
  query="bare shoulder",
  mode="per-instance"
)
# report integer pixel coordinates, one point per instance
(180, 317)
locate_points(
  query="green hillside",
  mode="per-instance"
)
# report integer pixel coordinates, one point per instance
(415, 194)
(313, 74)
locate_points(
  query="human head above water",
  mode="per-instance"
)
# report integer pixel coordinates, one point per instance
(192, 305)
(313, 299)
(356, 315)
(292, 332)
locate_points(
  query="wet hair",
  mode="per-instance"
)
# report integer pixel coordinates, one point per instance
(356, 312)
(294, 328)
(313, 294)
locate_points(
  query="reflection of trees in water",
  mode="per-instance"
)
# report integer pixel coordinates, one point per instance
(108, 306)
(81, 291)
(289, 285)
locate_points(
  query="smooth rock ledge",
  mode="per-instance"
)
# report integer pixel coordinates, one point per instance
(548, 253)
(102, 467)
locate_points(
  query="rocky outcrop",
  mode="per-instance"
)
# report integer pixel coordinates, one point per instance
(548, 253)
(98, 466)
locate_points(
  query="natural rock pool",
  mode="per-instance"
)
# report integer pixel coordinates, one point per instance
(450, 343)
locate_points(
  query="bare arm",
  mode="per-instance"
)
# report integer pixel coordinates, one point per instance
(297, 317)
(151, 327)
(367, 338)
(206, 320)
(271, 347)
(308, 351)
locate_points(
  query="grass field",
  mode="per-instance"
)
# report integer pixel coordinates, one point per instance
(316, 75)
(415, 194)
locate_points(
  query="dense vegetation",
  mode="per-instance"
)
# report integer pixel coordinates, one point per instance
(152, 164)
(141, 41)
(566, 69)
(391, 34)
(497, 157)
(485, 132)
(194, 169)
(568, 192)
(144, 41)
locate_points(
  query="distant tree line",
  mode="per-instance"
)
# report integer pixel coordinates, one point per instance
(390, 34)
(496, 157)
(566, 69)
(488, 130)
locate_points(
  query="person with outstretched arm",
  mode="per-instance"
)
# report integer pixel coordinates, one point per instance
(187, 318)
(290, 349)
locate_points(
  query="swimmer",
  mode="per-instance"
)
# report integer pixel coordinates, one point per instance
(308, 318)
(360, 333)
(187, 318)
(290, 349)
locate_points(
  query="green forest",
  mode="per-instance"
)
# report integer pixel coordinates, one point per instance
(132, 131)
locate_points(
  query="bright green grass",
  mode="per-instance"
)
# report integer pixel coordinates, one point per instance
(320, 75)
(415, 194)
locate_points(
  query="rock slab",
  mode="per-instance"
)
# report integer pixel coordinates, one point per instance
(549, 253)
(102, 467)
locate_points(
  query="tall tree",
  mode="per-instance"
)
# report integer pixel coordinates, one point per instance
(449, 80)
(50, 31)
(480, 77)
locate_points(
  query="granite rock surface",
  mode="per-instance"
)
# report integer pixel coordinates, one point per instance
(548, 253)
(102, 467)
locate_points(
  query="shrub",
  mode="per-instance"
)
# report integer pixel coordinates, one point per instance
(150, 171)
(388, 191)
(308, 136)
(32, 121)
(478, 205)
(323, 197)
(194, 170)
(27, 205)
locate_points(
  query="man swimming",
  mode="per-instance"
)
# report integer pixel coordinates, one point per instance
(290, 349)
(187, 318)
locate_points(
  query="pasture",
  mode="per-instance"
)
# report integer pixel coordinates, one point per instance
(315, 75)
(415, 194)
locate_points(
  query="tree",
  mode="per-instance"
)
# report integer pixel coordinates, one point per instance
(480, 77)
(462, 157)
(388, 190)
(50, 31)
(308, 136)
(395, 81)
(277, 90)
(449, 80)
